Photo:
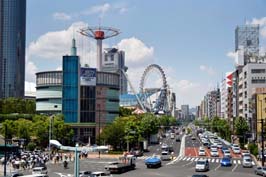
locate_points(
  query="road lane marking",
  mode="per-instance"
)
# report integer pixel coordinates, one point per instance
(188, 159)
(196, 159)
(213, 160)
(234, 168)
(192, 159)
(184, 158)
(187, 164)
(217, 160)
(253, 163)
(217, 167)
(234, 161)
(209, 160)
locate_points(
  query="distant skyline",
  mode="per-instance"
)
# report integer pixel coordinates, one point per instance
(193, 41)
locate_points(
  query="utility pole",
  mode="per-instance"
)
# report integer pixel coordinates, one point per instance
(262, 143)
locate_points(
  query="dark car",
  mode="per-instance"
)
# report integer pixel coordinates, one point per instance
(136, 152)
(177, 139)
(199, 175)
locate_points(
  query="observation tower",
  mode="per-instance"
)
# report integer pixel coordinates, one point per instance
(99, 33)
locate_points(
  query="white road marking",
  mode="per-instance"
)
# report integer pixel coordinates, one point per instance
(234, 161)
(234, 168)
(192, 159)
(239, 162)
(217, 167)
(196, 159)
(253, 163)
(184, 158)
(188, 159)
(217, 160)
(209, 160)
(213, 160)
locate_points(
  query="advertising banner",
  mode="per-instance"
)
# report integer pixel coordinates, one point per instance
(88, 76)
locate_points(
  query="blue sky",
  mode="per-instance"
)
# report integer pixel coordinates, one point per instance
(189, 39)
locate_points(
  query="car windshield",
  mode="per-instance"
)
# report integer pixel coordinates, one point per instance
(214, 150)
(200, 162)
(202, 150)
(248, 160)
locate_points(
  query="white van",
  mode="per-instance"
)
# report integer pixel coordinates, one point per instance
(165, 155)
(172, 135)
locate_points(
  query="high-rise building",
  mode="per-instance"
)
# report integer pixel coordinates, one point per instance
(12, 47)
(114, 61)
(247, 39)
(185, 111)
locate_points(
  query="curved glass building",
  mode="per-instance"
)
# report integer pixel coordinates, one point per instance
(49, 92)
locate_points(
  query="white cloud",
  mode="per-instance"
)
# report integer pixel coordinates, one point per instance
(61, 16)
(137, 53)
(123, 10)
(98, 9)
(59, 68)
(31, 70)
(207, 69)
(231, 55)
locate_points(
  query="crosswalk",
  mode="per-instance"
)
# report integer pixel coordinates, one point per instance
(211, 160)
(195, 159)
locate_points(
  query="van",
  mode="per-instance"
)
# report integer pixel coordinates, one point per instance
(165, 155)
(39, 170)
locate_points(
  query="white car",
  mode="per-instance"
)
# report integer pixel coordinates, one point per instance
(236, 150)
(214, 153)
(227, 153)
(100, 173)
(219, 145)
(39, 170)
(202, 165)
(202, 152)
(213, 147)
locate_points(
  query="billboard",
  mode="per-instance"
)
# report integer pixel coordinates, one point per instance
(88, 76)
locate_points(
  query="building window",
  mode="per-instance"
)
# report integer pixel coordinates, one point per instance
(245, 94)
(245, 84)
(257, 70)
(246, 107)
(245, 74)
(257, 81)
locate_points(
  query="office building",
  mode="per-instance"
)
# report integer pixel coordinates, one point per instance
(12, 48)
(247, 43)
(114, 61)
(185, 111)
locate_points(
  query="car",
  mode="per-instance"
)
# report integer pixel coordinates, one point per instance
(172, 135)
(234, 145)
(136, 152)
(227, 153)
(260, 171)
(202, 165)
(153, 161)
(177, 139)
(213, 147)
(224, 149)
(214, 153)
(193, 138)
(84, 173)
(236, 150)
(39, 170)
(247, 162)
(165, 155)
(199, 175)
(245, 153)
(226, 161)
(16, 174)
(100, 173)
(219, 145)
(202, 152)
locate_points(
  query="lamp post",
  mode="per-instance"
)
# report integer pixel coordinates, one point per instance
(5, 150)
(76, 164)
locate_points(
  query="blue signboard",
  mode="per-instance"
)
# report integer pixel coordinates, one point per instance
(88, 76)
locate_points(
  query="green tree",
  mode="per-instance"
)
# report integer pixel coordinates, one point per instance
(241, 128)
(124, 112)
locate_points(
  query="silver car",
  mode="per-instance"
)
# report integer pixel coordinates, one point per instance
(202, 165)
(260, 171)
(247, 162)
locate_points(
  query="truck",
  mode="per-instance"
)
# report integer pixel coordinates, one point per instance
(125, 163)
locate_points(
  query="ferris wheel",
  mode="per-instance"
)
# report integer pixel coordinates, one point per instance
(154, 91)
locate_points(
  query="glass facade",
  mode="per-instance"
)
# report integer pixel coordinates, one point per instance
(12, 47)
(70, 98)
(87, 103)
